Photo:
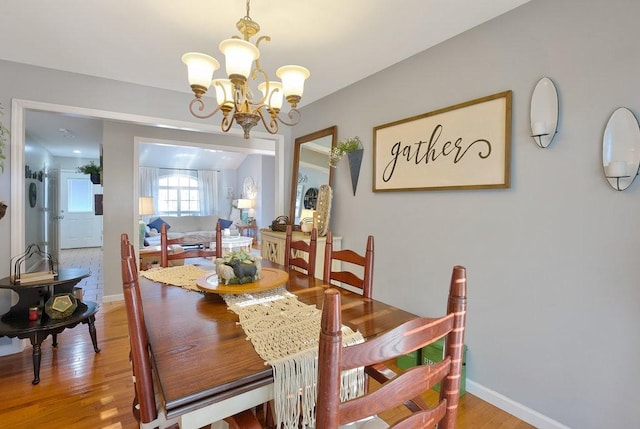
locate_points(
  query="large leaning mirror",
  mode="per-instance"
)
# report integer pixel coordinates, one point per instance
(310, 170)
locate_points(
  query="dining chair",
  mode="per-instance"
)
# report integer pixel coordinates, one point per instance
(293, 258)
(400, 389)
(166, 255)
(144, 404)
(350, 257)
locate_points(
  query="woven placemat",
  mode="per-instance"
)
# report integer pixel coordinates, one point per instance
(184, 276)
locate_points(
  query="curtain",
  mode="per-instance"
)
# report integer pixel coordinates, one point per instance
(149, 178)
(208, 189)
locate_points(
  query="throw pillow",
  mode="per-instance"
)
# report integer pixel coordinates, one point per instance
(224, 223)
(157, 224)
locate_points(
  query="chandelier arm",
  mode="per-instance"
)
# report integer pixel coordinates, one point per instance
(200, 101)
(294, 115)
(272, 126)
(226, 123)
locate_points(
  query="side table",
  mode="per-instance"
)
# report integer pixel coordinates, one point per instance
(16, 323)
(249, 231)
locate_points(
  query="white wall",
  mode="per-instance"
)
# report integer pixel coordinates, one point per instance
(261, 169)
(554, 302)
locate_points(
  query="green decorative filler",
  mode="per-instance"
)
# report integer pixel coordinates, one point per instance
(238, 268)
(61, 306)
(344, 147)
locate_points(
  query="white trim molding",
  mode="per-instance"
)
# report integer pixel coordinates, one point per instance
(540, 421)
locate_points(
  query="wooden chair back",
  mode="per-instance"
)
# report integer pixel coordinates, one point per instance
(349, 256)
(144, 391)
(292, 257)
(165, 242)
(400, 389)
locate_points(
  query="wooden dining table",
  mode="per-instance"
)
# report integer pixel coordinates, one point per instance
(206, 368)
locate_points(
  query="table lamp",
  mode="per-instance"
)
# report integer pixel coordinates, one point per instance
(145, 208)
(244, 203)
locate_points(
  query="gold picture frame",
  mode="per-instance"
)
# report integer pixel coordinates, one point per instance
(465, 146)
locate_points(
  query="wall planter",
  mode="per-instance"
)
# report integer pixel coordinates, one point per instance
(355, 161)
(95, 178)
(352, 147)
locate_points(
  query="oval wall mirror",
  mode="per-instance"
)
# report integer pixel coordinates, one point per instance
(544, 112)
(310, 168)
(621, 149)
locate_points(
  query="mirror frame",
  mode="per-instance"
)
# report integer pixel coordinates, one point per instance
(330, 131)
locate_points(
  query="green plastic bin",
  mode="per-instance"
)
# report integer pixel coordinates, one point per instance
(434, 353)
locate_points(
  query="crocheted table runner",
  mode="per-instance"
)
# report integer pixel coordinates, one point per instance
(184, 276)
(285, 332)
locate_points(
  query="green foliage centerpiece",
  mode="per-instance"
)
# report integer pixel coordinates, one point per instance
(238, 268)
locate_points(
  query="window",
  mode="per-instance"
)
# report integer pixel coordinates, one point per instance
(79, 196)
(178, 195)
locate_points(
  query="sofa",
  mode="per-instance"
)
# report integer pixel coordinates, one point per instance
(188, 228)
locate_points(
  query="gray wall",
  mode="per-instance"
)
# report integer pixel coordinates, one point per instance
(554, 302)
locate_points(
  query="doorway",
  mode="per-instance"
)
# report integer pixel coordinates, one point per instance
(20, 108)
(80, 226)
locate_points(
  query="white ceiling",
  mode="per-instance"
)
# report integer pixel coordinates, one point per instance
(142, 41)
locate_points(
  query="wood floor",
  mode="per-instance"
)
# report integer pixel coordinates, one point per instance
(83, 390)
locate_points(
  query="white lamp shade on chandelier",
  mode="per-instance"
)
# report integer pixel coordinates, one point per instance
(239, 56)
(273, 95)
(293, 78)
(200, 68)
(233, 95)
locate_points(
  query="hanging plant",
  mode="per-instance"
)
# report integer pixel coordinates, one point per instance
(92, 170)
(4, 135)
(344, 147)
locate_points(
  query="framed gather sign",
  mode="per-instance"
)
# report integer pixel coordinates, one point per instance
(466, 146)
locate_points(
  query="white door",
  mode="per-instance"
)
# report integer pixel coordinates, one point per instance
(79, 226)
(52, 227)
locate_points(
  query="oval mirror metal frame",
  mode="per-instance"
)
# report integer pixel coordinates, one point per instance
(544, 112)
(330, 133)
(621, 149)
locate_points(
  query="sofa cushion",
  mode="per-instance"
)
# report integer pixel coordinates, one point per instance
(224, 223)
(157, 224)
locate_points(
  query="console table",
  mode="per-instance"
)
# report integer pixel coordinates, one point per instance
(16, 323)
(273, 246)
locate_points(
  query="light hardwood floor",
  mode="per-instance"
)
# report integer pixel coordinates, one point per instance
(83, 390)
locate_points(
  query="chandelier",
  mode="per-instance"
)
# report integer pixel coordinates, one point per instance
(234, 96)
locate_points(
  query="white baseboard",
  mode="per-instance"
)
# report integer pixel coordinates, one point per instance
(512, 407)
(113, 298)
(12, 346)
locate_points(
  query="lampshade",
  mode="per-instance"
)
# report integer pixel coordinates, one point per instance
(145, 206)
(274, 99)
(293, 78)
(239, 56)
(244, 203)
(200, 68)
(224, 91)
